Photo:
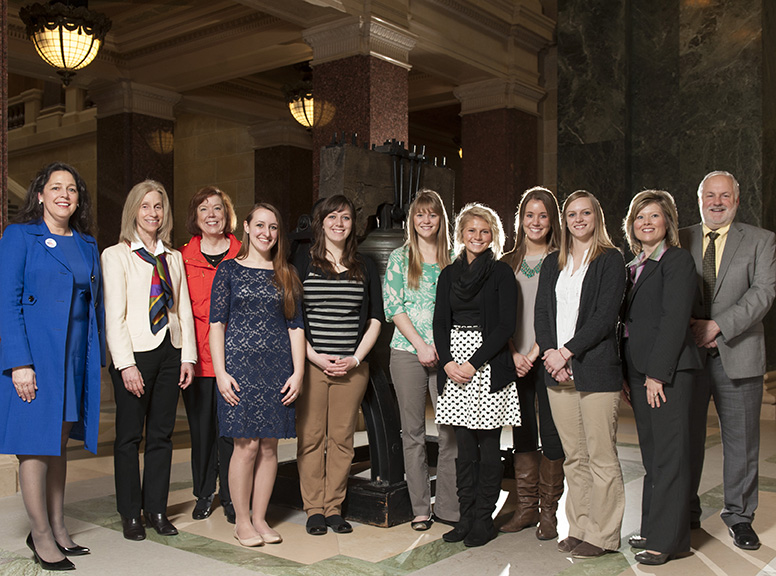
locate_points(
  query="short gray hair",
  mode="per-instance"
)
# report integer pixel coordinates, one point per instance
(736, 188)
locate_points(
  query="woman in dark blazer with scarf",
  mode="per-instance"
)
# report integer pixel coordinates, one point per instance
(660, 357)
(52, 346)
(577, 306)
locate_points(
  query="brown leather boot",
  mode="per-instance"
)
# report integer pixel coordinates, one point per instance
(550, 490)
(527, 481)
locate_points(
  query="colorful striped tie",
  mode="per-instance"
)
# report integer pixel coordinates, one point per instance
(160, 298)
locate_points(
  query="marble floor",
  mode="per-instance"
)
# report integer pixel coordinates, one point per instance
(208, 547)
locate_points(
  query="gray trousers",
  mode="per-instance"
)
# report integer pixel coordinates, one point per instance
(412, 381)
(738, 404)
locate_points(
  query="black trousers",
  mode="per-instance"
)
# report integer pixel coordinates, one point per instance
(154, 411)
(664, 439)
(210, 453)
(532, 391)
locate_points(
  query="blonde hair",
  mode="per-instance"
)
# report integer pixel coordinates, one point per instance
(477, 210)
(132, 206)
(667, 206)
(515, 256)
(426, 201)
(601, 239)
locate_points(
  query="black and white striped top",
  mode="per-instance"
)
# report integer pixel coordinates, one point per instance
(332, 307)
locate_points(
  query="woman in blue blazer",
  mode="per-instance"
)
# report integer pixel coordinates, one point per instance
(660, 357)
(51, 348)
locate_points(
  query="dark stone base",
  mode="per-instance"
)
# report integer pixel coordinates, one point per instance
(374, 503)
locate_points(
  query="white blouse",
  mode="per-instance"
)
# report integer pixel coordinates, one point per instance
(568, 291)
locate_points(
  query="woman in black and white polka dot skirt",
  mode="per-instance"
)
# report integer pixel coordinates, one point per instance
(474, 319)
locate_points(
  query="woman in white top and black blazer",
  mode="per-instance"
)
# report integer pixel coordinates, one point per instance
(153, 351)
(577, 305)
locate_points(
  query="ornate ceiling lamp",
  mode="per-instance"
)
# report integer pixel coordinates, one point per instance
(67, 35)
(299, 97)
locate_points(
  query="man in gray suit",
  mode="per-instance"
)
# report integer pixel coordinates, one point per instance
(736, 267)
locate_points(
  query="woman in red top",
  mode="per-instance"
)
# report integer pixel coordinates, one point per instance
(211, 221)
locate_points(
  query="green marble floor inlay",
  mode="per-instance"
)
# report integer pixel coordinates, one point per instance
(423, 556)
(607, 565)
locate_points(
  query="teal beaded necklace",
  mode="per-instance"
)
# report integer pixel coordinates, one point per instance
(529, 272)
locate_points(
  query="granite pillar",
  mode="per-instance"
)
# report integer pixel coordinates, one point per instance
(135, 130)
(360, 82)
(657, 93)
(283, 168)
(499, 136)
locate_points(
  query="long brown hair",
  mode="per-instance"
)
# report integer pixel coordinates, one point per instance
(285, 277)
(515, 256)
(350, 258)
(601, 240)
(426, 201)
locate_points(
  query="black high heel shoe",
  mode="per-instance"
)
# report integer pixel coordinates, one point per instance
(74, 551)
(63, 564)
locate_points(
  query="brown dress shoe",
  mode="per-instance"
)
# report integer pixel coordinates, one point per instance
(568, 544)
(588, 550)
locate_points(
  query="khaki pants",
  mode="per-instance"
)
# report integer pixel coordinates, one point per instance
(587, 424)
(326, 415)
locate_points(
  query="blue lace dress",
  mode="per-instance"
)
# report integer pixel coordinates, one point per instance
(257, 351)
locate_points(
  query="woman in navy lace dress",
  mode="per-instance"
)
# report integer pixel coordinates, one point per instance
(258, 349)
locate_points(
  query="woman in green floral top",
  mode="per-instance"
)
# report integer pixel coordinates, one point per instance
(409, 293)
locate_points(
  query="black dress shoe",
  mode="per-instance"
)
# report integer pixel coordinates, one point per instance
(650, 559)
(74, 550)
(133, 528)
(637, 542)
(63, 564)
(744, 536)
(203, 508)
(228, 511)
(338, 524)
(161, 524)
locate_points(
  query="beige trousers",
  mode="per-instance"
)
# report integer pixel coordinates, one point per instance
(326, 416)
(587, 425)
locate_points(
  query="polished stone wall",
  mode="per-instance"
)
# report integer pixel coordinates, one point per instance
(657, 93)
(284, 179)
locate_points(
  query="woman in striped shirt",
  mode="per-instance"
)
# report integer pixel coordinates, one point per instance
(343, 311)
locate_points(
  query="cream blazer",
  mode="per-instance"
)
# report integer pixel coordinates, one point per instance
(127, 284)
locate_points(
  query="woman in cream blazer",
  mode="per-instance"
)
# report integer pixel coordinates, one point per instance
(150, 335)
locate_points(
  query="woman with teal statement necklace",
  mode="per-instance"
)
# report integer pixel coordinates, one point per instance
(538, 473)
(409, 295)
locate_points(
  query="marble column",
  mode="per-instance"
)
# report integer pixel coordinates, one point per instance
(135, 128)
(360, 81)
(657, 93)
(283, 168)
(499, 135)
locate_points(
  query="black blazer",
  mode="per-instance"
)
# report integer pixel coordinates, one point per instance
(596, 360)
(657, 311)
(498, 310)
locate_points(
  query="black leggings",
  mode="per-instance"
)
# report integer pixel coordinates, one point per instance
(532, 390)
(478, 445)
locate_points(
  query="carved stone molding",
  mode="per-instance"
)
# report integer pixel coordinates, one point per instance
(128, 96)
(497, 94)
(280, 133)
(356, 36)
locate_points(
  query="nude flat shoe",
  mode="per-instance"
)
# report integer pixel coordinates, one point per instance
(272, 538)
(249, 542)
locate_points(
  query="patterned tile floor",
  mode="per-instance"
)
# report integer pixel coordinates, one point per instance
(208, 547)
